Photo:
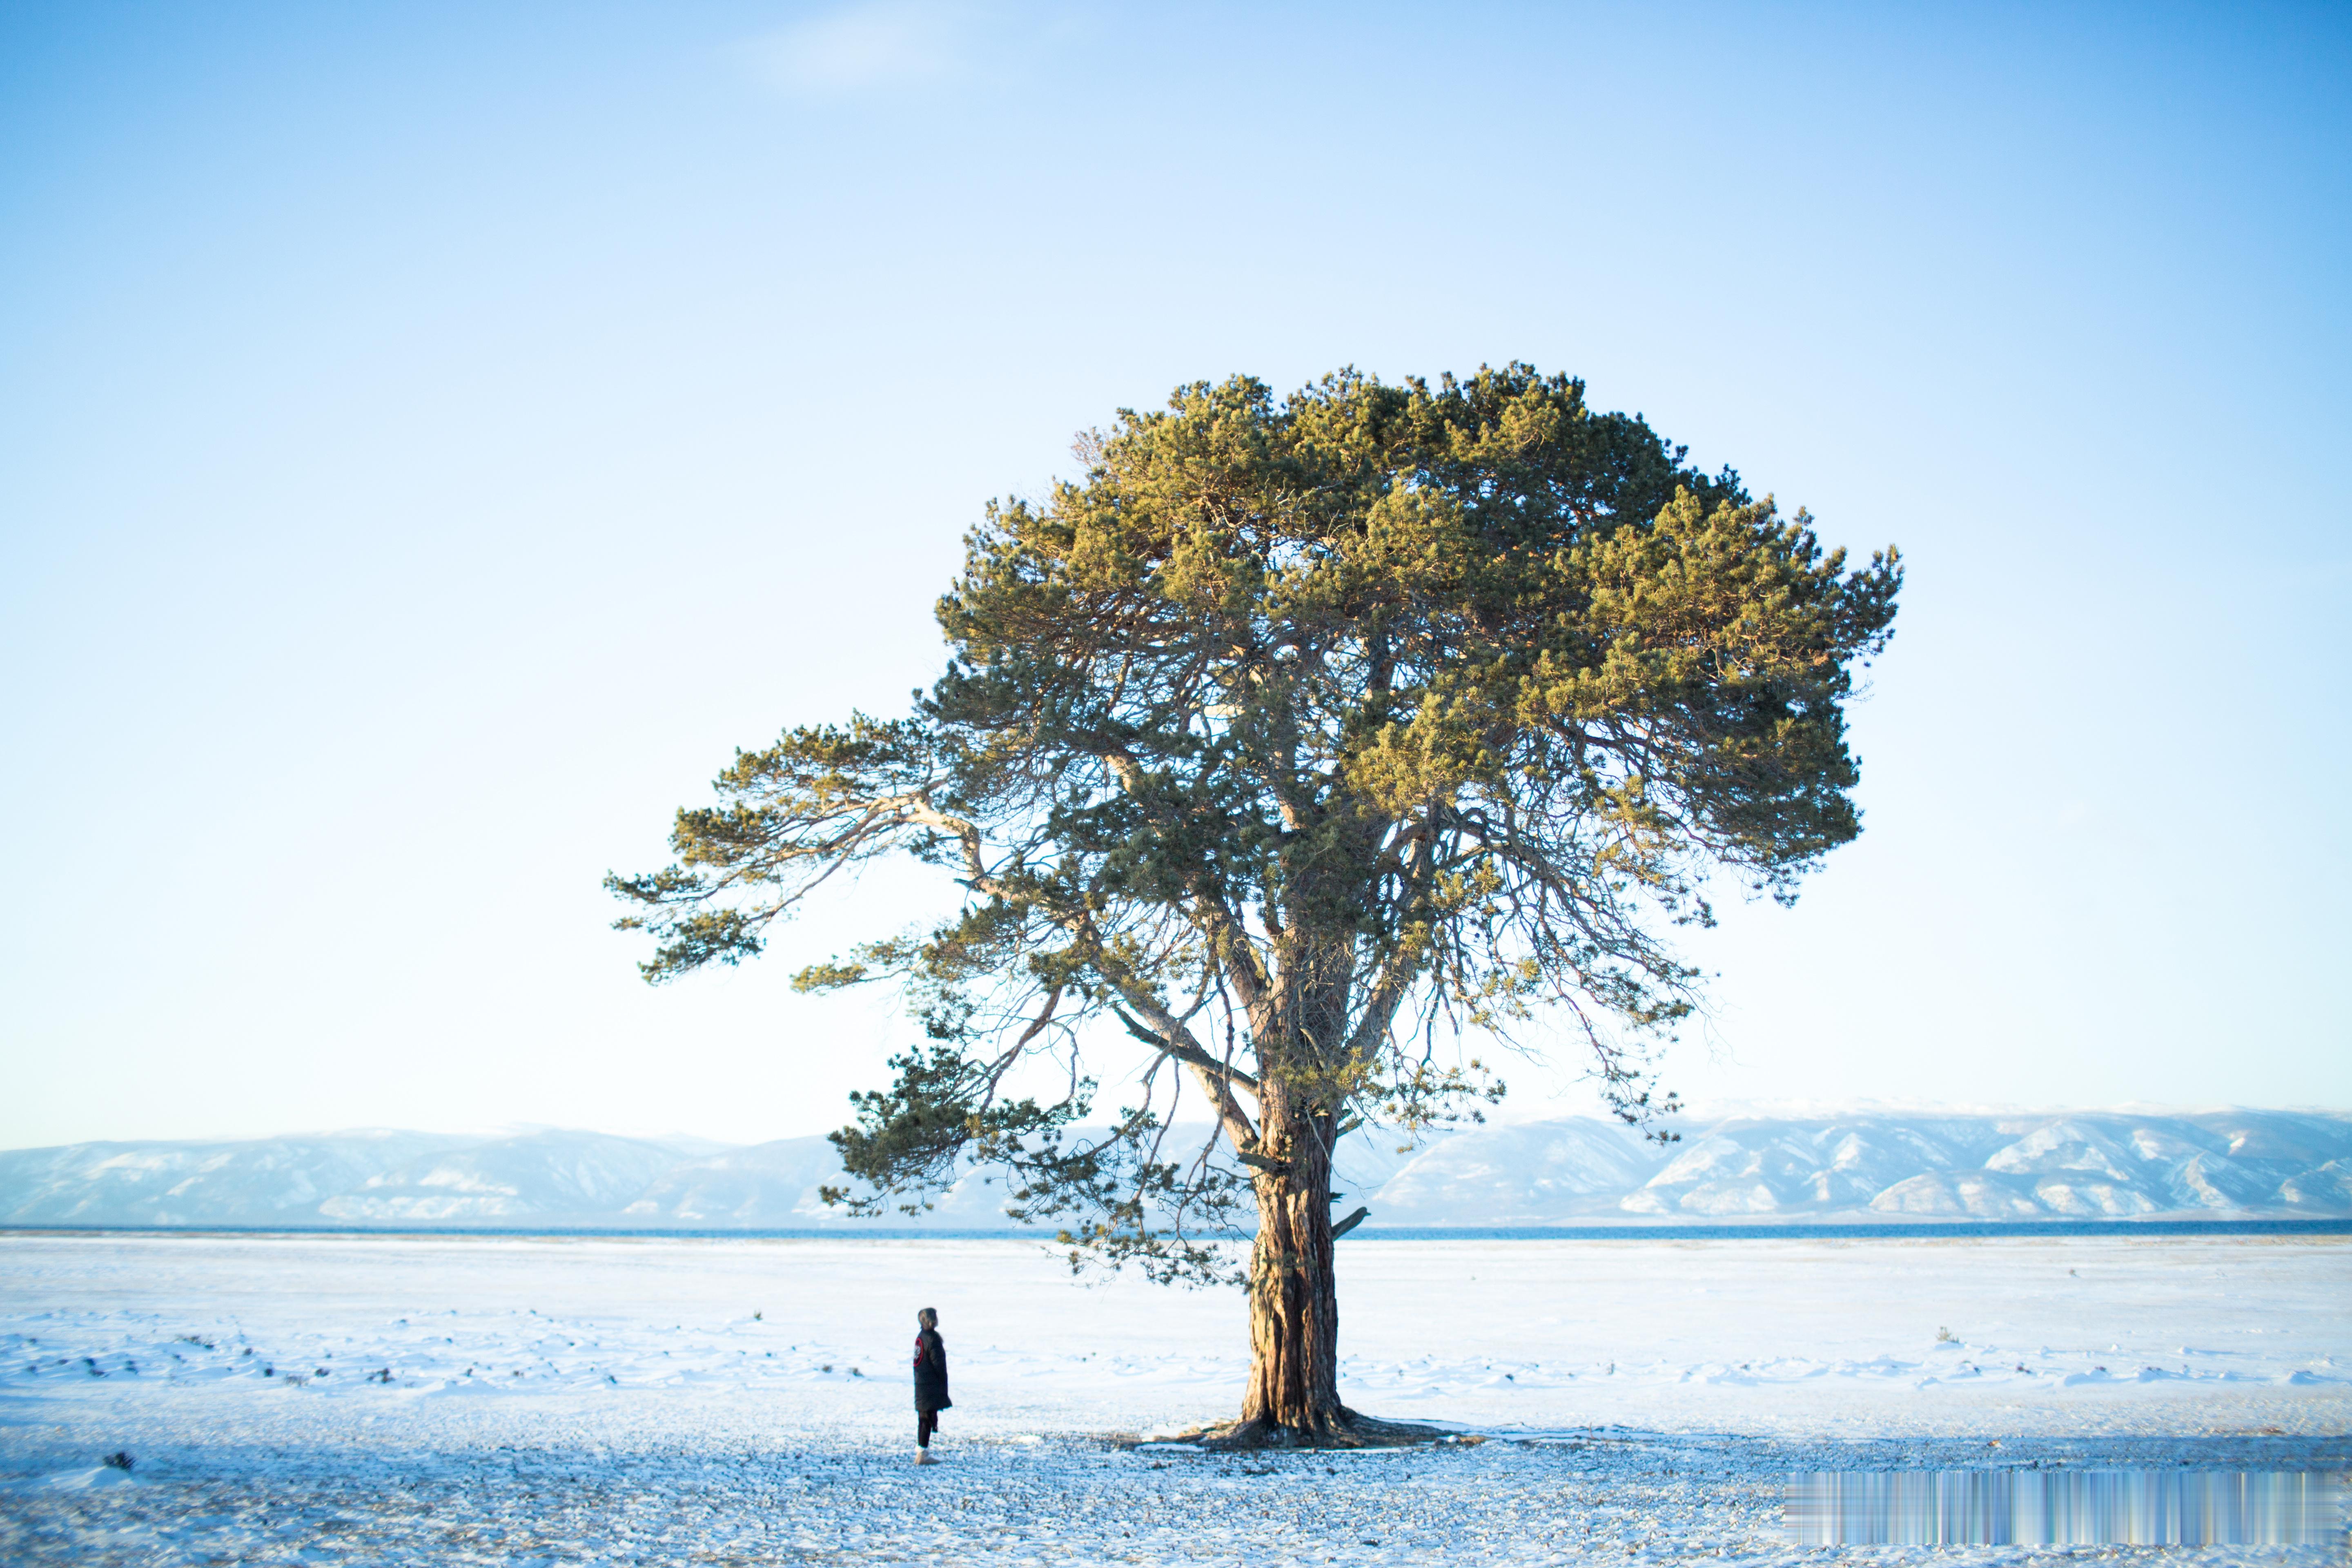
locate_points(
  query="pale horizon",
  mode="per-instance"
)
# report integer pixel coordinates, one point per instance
(1693, 1118)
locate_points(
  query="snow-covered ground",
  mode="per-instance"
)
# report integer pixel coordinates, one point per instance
(377, 1399)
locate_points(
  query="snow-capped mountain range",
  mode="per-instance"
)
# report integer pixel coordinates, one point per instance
(1845, 1169)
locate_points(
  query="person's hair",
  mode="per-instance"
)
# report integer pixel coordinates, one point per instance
(928, 1317)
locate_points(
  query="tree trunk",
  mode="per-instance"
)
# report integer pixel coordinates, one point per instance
(1294, 1382)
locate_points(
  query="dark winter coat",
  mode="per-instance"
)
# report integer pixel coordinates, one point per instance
(931, 1372)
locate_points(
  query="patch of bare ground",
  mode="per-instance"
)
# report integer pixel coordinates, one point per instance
(1352, 1430)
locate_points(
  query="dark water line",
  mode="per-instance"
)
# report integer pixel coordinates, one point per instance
(1896, 1232)
(1929, 1231)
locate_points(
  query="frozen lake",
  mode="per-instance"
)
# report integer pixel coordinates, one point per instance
(573, 1400)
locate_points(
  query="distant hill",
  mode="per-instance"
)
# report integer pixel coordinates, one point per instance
(2089, 1164)
(2083, 1165)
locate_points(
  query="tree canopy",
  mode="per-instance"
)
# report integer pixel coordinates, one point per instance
(1300, 738)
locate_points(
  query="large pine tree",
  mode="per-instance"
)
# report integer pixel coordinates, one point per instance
(1299, 738)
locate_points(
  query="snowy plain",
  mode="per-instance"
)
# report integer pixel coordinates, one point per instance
(380, 1399)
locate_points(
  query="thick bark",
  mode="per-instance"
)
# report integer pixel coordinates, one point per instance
(1294, 1380)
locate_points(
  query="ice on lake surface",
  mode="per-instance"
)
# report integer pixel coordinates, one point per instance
(377, 1399)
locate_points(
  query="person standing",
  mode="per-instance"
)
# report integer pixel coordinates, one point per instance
(930, 1381)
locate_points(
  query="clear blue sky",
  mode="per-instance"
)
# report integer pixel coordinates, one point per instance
(433, 436)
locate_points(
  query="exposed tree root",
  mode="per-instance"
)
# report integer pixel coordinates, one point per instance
(1347, 1430)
